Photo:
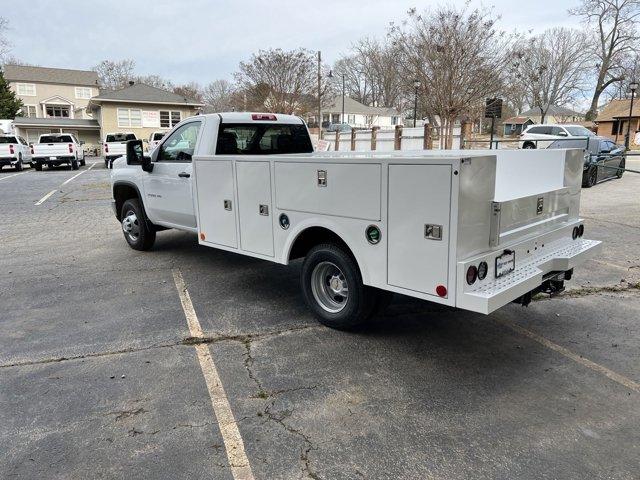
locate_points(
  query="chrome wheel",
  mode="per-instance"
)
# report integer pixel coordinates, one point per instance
(329, 287)
(131, 226)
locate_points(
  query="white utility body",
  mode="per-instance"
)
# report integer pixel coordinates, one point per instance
(470, 229)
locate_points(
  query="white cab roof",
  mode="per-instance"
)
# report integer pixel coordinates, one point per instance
(247, 117)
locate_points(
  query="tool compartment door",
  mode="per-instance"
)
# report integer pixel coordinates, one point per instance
(216, 205)
(254, 207)
(419, 226)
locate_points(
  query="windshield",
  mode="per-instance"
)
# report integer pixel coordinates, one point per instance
(8, 140)
(580, 132)
(158, 136)
(56, 139)
(120, 137)
(591, 144)
(262, 139)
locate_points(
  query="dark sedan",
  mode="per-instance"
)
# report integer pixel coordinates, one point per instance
(603, 159)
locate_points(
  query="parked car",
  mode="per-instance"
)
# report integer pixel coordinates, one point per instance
(532, 136)
(54, 149)
(154, 139)
(14, 151)
(339, 127)
(603, 159)
(115, 146)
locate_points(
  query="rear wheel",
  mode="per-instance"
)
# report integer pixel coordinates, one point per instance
(136, 228)
(529, 146)
(333, 289)
(590, 178)
(37, 166)
(74, 165)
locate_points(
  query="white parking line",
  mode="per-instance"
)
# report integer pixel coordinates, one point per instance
(234, 446)
(44, 199)
(14, 175)
(610, 374)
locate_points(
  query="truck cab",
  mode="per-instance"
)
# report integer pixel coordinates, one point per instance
(14, 151)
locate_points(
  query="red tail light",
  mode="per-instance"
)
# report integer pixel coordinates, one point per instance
(11, 150)
(106, 148)
(31, 147)
(71, 148)
(263, 116)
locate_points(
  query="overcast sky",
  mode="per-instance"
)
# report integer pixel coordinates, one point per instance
(204, 40)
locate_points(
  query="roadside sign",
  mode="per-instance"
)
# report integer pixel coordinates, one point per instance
(493, 108)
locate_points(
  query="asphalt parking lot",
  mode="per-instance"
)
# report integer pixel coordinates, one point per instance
(101, 377)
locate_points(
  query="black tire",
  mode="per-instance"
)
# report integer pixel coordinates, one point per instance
(49, 166)
(19, 166)
(83, 162)
(622, 165)
(356, 308)
(37, 166)
(529, 146)
(590, 178)
(75, 165)
(139, 235)
(106, 163)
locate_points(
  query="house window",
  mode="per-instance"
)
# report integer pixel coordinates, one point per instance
(29, 111)
(83, 93)
(394, 120)
(129, 117)
(169, 119)
(351, 119)
(57, 111)
(369, 119)
(335, 118)
(26, 89)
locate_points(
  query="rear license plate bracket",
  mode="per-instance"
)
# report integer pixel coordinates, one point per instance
(505, 263)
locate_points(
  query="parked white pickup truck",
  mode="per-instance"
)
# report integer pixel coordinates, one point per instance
(469, 229)
(54, 149)
(14, 151)
(115, 146)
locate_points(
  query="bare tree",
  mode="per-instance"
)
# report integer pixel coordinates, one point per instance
(458, 56)
(614, 23)
(114, 74)
(552, 67)
(190, 91)
(219, 95)
(155, 81)
(371, 73)
(275, 80)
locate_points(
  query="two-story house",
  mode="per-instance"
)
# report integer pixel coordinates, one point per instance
(55, 100)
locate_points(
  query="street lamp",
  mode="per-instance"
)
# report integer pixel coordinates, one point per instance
(343, 91)
(633, 86)
(416, 86)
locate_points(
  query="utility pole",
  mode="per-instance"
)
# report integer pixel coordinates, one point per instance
(319, 95)
(633, 87)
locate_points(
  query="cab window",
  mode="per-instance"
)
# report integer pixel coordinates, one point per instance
(262, 139)
(180, 145)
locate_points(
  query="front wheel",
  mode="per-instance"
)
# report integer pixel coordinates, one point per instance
(333, 289)
(83, 162)
(135, 226)
(621, 167)
(590, 178)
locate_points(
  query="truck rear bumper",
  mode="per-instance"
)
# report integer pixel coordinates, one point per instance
(8, 161)
(58, 161)
(559, 256)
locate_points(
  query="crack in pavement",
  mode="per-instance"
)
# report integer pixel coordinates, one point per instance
(188, 341)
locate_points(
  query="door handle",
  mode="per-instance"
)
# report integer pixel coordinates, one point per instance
(184, 175)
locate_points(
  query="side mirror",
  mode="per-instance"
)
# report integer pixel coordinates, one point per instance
(81, 142)
(562, 133)
(135, 155)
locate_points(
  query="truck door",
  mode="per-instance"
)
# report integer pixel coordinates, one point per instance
(168, 194)
(419, 221)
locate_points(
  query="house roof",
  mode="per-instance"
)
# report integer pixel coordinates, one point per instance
(617, 109)
(24, 73)
(519, 120)
(55, 122)
(354, 107)
(554, 111)
(143, 93)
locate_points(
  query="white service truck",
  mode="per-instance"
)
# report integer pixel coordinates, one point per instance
(54, 149)
(14, 151)
(469, 229)
(115, 146)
